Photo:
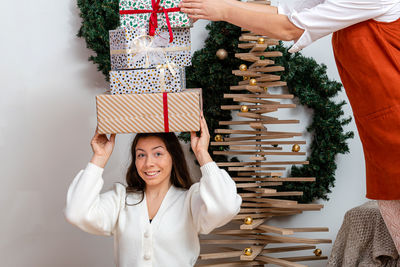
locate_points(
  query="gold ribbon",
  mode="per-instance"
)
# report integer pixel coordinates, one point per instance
(162, 68)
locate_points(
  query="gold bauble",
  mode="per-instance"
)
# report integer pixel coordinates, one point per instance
(244, 108)
(253, 82)
(222, 54)
(245, 78)
(248, 251)
(248, 220)
(218, 138)
(261, 40)
(296, 148)
(243, 67)
(318, 252)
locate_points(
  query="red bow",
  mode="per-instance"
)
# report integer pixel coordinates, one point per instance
(153, 17)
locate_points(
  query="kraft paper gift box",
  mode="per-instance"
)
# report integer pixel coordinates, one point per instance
(142, 81)
(137, 13)
(133, 48)
(146, 113)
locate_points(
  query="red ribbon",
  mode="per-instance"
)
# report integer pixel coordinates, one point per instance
(153, 17)
(165, 107)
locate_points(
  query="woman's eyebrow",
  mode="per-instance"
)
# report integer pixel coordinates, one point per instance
(158, 147)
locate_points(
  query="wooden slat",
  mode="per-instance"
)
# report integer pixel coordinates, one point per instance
(277, 194)
(254, 225)
(247, 73)
(251, 45)
(276, 230)
(233, 264)
(264, 153)
(279, 174)
(256, 251)
(259, 143)
(265, 215)
(260, 107)
(267, 179)
(255, 163)
(261, 190)
(250, 185)
(220, 255)
(230, 241)
(305, 258)
(304, 207)
(258, 47)
(254, 168)
(288, 248)
(261, 52)
(279, 262)
(309, 229)
(289, 239)
(250, 88)
(254, 100)
(269, 69)
(259, 137)
(263, 122)
(272, 96)
(254, 147)
(263, 132)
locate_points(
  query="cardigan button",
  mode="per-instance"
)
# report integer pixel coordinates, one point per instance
(147, 256)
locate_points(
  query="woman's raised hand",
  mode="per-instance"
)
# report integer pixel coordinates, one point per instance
(200, 144)
(205, 9)
(102, 148)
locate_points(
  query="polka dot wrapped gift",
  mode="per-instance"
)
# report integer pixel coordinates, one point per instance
(142, 81)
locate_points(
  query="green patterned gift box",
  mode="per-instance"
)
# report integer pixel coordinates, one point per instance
(177, 19)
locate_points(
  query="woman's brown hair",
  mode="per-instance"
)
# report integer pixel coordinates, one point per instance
(180, 176)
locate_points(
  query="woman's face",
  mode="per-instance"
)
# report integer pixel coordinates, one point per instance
(153, 161)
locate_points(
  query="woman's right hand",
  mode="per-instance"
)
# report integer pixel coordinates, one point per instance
(102, 148)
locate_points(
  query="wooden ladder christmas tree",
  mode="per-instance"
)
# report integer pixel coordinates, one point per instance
(249, 240)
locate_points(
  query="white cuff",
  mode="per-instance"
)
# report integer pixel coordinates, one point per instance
(93, 168)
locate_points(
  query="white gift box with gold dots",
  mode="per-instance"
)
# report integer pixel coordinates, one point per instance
(142, 81)
(133, 48)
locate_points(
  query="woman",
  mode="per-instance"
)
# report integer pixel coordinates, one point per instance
(156, 219)
(366, 43)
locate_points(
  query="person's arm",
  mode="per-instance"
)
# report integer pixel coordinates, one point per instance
(260, 19)
(304, 25)
(89, 210)
(200, 144)
(214, 200)
(86, 208)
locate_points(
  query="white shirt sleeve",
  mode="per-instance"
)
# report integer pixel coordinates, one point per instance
(214, 200)
(89, 210)
(319, 18)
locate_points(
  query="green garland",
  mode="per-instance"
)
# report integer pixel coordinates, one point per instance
(306, 79)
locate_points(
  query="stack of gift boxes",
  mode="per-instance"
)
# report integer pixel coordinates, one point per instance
(149, 53)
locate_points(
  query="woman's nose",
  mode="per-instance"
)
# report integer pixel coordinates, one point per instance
(149, 161)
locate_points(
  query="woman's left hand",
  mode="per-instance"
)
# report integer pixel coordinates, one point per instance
(200, 144)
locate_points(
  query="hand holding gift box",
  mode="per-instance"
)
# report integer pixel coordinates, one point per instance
(141, 113)
(153, 14)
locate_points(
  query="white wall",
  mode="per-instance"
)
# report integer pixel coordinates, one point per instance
(47, 118)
